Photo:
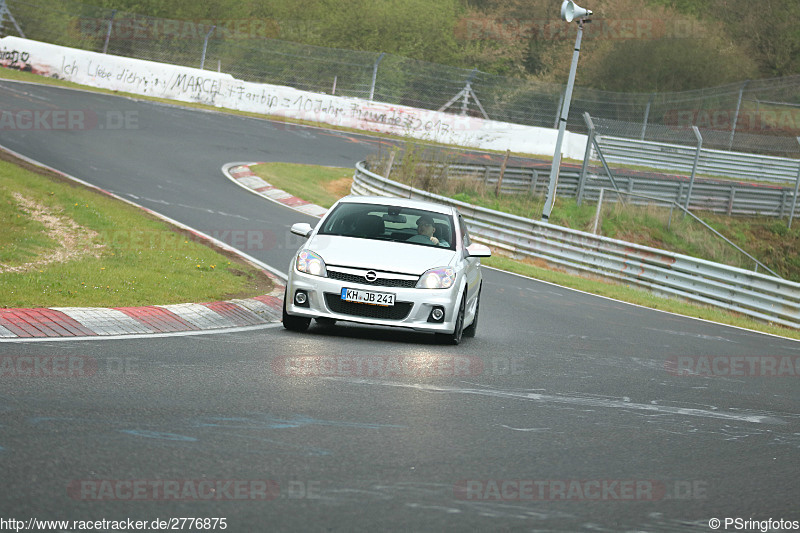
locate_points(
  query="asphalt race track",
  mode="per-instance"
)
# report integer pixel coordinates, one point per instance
(568, 412)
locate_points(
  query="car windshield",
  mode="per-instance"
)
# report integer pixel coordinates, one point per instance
(391, 223)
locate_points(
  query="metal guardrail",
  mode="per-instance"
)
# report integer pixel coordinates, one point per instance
(717, 196)
(673, 206)
(750, 293)
(680, 158)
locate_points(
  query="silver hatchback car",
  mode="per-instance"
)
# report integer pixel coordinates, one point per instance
(387, 262)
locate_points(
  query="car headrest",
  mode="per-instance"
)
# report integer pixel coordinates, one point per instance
(370, 226)
(442, 232)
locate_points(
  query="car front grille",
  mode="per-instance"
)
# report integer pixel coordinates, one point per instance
(380, 282)
(398, 311)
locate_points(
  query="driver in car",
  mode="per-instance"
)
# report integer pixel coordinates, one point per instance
(425, 231)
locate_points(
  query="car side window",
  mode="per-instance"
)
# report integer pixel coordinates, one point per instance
(464, 232)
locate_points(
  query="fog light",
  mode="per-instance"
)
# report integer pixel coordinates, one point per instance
(301, 298)
(437, 314)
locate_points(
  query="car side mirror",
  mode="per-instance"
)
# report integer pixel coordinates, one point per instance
(478, 250)
(302, 228)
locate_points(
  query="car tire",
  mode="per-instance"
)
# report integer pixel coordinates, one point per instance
(455, 337)
(294, 323)
(472, 329)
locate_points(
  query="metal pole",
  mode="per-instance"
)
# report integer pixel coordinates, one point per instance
(694, 166)
(597, 213)
(586, 155)
(4, 12)
(465, 100)
(467, 92)
(389, 165)
(108, 33)
(647, 115)
(478, 102)
(205, 46)
(736, 116)
(502, 173)
(375, 76)
(605, 164)
(562, 126)
(669, 222)
(558, 109)
(796, 190)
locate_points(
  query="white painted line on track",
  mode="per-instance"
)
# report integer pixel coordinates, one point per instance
(136, 336)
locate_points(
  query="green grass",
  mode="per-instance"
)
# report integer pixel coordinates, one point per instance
(318, 185)
(22, 238)
(124, 256)
(296, 179)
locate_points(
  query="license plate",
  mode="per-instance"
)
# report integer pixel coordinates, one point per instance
(368, 297)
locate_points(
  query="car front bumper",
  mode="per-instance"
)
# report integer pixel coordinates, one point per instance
(412, 307)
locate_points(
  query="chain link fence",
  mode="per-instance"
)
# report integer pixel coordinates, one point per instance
(760, 116)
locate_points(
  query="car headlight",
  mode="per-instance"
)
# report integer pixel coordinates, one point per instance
(437, 278)
(310, 263)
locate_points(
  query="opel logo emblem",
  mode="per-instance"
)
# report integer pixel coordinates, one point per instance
(371, 276)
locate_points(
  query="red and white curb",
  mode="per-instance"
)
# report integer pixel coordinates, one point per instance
(241, 174)
(153, 319)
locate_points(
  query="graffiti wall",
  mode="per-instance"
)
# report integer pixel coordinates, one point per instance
(222, 90)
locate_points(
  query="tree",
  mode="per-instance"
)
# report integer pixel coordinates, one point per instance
(769, 30)
(419, 29)
(667, 65)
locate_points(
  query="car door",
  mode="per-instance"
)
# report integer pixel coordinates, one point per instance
(472, 270)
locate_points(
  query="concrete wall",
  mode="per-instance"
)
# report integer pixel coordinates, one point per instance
(222, 90)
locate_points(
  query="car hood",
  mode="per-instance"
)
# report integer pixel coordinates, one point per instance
(398, 257)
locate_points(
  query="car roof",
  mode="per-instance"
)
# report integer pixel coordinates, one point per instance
(399, 202)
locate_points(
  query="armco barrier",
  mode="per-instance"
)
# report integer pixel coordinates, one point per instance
(718, 196)
(756, 295)
(663, 156)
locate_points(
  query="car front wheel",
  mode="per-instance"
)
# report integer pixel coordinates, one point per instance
(470, 330)
(455, 337)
